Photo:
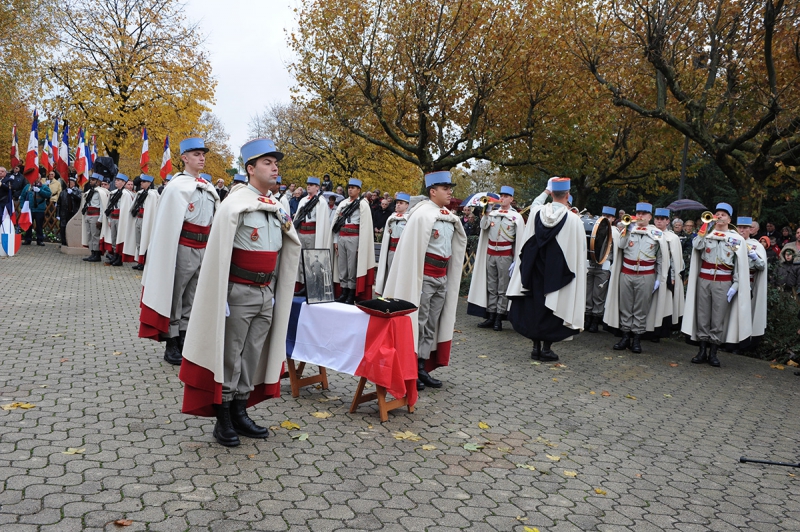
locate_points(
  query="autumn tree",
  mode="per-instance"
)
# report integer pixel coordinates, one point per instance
(126, 64)
(724, 73)
(435, 82)
(315, 144)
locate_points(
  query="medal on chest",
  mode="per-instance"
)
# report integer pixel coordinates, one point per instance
(191, 207)
(254, 234)
(708, 250)
(491, 224)
(267, 200)
(390, 232)
(435, 233)
(630, 244)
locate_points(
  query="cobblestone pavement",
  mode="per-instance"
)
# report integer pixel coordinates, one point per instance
(660, 453)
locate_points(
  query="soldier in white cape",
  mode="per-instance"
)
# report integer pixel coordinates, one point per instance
(757, 258)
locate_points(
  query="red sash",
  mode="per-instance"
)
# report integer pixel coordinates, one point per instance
(253, 261)
(197, 229)
(434, 267)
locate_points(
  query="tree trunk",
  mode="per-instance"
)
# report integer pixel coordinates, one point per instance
(751, 190)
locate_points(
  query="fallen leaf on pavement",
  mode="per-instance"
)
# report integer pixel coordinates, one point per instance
(608, 358)
(559, 365)
(407, 435)
(251, 456)
(504, 449)
(428, 447)
(520, 518)
(673, 365)
(592, 393)
(64, 360)
(456, 330)
(629, 396)
(123, 522)
(531, 529)
(55, 336)
(605, 393)
(302, 436)
(14, 406)
(473, 446)
(553, 458)
(536, 363)
(667, 395)
(117, 353)
(289, 425)
(570, 474)
(526, 466)
(777, 366)
(555, 380)
(482, 356)
(483, 425)
(73, 450)
(600, 491)
(759, 376)
(322, 415)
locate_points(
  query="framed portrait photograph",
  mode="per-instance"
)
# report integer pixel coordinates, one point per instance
(318, 275)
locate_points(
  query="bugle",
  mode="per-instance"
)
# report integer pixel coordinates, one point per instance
(627, 219)
(707, 217)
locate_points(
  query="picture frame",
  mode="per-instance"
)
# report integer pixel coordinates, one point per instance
(318, 275)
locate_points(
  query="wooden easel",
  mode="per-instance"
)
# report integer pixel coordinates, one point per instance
(383, 405)
(296, 379)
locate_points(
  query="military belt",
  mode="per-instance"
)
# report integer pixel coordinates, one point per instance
(197, 237)
(262, 278)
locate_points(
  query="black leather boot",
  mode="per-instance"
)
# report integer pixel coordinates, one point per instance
(181, 340)
(423, 375)
(420, 386)
(223, 430)
(488, 323)
(172, 354)
(623, 342)
(242, 424)
(537, 350)
(343, 297)
(702, 356)
(117, 260)
(713, 361)
(498, 322)
(89, 257)
(94, 257)
(547, 354)
(594, 321)
(636, 344)
(351, 297)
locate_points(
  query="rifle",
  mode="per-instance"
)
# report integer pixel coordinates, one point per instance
(88, 200)
(346, 213)
(138, 203)
(113, 201)
(305, 211)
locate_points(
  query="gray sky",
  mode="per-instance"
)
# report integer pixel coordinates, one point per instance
(249, 54)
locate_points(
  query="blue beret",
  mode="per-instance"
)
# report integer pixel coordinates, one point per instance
(644, 207)
(312, 181)
(560, 184)
(96, 176)
(725, 207)
(147, 178)
(121, 176)
(611, 211)
(438, 178)
(402, 196)
(194, 143)
(168, 178)
(258, 148)
(206, 177)
(662, 212)
(240, 178)
(278, 180)
(507, 190)
(354, 182)
(744, 220)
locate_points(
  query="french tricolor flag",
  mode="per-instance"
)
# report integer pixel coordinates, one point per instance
(24, 221)
(9, 239)
(54, 149)
(46, 158)
(32, 156)
(63, 154)
(144, 161)
(93, 151)
(81, 162)
(166, 160)
(14, 147)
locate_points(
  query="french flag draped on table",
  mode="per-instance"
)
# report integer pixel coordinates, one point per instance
(380, 349)
(9, 239)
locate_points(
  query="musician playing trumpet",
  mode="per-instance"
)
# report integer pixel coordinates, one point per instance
(497, 250)
(637, 274)
(353, 246)
(714, 314)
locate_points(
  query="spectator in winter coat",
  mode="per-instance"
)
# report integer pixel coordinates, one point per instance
(36, 196)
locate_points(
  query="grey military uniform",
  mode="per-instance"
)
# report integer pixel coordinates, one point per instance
(348, 247)
(394, 227)
(434, 289)
(199, 211)
(502, 233)
(249, 315)
(640, 268)
(718, 273)
(90, 220)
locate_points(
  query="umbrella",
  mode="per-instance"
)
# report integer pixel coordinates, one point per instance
(686, 205)
(328, 195)
(474, 200)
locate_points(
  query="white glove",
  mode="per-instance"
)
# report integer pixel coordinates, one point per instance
(731, 293)
(227, 310)
(511, 269)
(550, 184)
(36, 189)
(58, 218)
(658, 283)
(752, 254)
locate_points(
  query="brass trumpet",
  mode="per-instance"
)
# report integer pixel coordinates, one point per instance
(627, 219)
(484, 200)
(707, 217)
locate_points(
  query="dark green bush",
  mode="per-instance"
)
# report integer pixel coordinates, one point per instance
(780, 341)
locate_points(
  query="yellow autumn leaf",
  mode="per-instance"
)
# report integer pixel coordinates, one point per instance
(14, 406)
(555, 380)
(531, 529)
(629, 396)
(792, 363)
(526, 466)
(428, 447)
(600, 491)
(553, 458)
(117, 353)
(322, 415)
(777, 366)
(592, 393)
(407, 435)
(570, 474)
(483, 425)
(289, 425)
(73, 450)
(482, 356)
